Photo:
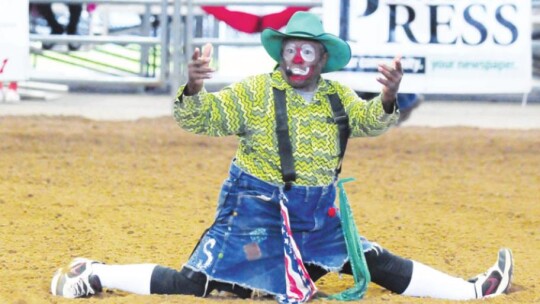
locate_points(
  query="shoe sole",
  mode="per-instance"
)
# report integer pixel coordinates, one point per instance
(506, 264)
(57, 280)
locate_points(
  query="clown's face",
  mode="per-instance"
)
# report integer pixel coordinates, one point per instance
(302, 62)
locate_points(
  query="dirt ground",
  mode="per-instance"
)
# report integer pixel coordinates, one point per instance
(144, 191)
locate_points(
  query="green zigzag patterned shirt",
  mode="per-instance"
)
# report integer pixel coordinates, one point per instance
(246, 109)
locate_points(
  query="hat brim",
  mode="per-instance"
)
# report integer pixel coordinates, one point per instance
(339, 51)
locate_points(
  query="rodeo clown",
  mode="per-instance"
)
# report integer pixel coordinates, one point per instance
(276, 230)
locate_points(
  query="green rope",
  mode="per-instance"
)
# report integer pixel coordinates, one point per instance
(354, 249)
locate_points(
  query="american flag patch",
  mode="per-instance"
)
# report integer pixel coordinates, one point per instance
(300, 287)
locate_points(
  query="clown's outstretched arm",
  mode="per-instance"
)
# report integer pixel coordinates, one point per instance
(199, 69)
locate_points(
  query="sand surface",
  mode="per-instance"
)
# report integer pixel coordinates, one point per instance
(145, 190)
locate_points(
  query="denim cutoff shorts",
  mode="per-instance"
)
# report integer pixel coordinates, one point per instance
(244, 246)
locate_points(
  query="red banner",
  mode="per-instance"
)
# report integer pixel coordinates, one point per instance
(252, 23)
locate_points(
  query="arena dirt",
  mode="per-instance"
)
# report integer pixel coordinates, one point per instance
(144, 191)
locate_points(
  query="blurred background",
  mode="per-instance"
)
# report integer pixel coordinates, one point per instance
(122, 45)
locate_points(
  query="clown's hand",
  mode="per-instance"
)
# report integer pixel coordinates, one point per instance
(199, 69)
(390, 79)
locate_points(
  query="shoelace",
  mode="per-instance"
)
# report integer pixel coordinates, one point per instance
(80, 288)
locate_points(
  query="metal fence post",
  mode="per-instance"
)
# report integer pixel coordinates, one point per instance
(143, 65)
(164, 24)
(178, 64)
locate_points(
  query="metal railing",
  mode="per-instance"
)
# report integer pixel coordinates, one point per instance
(145, 43)
(176, 38)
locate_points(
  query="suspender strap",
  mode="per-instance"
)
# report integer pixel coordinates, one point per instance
(342, 120)
(284, 141)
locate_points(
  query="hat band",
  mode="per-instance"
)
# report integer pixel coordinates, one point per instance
(301, 33)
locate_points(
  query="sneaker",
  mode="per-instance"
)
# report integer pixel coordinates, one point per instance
(47, 45)
(74, 46)
(497, 279)
(58, 30)
(76, 281)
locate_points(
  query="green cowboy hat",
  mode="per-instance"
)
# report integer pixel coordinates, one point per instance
(304, 25)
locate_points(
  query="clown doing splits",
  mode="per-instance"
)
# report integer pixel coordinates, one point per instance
(274, 230)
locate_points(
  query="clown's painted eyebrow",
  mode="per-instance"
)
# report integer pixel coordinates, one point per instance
(322, 48)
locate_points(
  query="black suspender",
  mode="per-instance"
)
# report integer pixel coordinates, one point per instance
(342, 120)
(284, 141)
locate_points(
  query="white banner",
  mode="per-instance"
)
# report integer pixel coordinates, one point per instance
(447, 46)
(14, 40)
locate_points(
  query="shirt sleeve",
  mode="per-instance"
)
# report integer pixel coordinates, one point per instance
(214, 114)
(366, 118)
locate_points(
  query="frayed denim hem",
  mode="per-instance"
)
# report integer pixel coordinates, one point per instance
(256, 292)
(327, 268)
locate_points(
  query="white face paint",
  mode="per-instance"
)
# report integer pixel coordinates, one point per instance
(302, 61)
(305, 51)
(299, 71)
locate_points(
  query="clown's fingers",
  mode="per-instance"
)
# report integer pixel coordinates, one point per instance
(388, 73)
(196, 54)
(397, 64)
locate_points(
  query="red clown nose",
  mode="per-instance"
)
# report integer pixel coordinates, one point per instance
(298, 57)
